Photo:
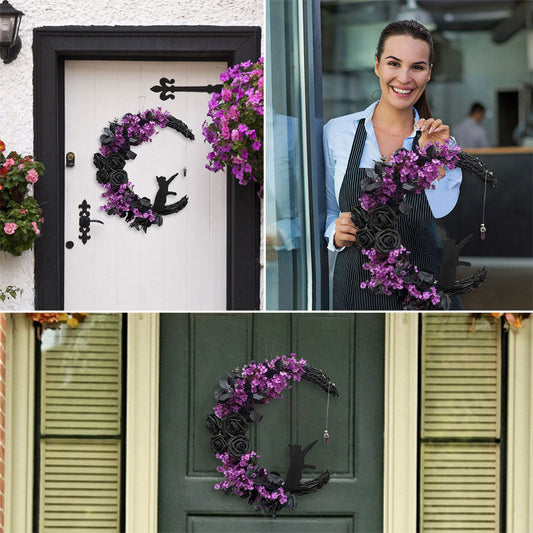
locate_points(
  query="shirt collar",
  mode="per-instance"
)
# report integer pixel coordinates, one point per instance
(369, 126)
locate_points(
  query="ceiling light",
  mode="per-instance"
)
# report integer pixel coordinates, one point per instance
(411, 11)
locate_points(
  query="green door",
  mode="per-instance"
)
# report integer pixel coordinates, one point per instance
(198, 350)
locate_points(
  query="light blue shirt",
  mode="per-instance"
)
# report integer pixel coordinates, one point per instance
(338, 139)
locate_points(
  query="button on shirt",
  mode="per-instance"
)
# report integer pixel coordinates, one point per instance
(338, 139)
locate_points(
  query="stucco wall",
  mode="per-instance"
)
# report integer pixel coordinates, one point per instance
(16, 84)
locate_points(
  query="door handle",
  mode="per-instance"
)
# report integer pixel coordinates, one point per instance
(85, 221)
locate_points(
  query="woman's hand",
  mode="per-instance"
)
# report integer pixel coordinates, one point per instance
(345, 230)
(432, 131)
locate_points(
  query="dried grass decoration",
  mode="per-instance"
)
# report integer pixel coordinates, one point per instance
(257, 384)
(115, 150)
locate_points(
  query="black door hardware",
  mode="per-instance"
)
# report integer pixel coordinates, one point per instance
(85, 221)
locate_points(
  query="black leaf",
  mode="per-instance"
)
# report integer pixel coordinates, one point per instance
(255, 416)
(405, 208)
(371, 173)
(372, 186)
(426, 277)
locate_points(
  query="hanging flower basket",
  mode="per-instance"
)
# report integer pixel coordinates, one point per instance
(236, 130)
(20, 215)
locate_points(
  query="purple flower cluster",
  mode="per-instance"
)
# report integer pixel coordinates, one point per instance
(236, 130)
(122, 201)
(386, 272)
(132, 130)
(409, 171)
(394, 272)
(237, 476)
(242, 477)
(263, 379)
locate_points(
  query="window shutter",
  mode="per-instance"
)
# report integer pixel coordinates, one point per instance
(81, 390)
(460, 487)
(81, 378)
(460, 424)
(80, 485)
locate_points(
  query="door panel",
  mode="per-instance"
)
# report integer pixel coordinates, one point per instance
(198, 350)
(204, 524)
(180, 265)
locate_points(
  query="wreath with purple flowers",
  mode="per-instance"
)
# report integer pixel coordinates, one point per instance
(383, 201)
(237, 397)
(116, 143)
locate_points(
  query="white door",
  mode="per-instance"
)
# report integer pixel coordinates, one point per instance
(180, 265)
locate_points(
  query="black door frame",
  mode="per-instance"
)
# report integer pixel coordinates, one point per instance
(51, 47)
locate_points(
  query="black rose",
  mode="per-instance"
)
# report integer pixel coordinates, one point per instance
(102, 176)
(387, 240)
(212, 423)
(234, 425)
(98, 160)
(218, 444)
(359, 217)
(115, 161)
(118, 177)
(364, 238)
(238, 446)
(145, 202)
(382, 217)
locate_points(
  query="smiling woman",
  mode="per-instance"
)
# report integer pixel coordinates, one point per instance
(353, 143)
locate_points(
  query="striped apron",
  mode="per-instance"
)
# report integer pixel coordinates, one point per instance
(418, 231)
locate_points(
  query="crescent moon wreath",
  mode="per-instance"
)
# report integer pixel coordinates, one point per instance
(115, 150)
(256, 384)
(376, 215)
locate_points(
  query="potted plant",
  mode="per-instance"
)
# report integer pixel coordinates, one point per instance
(20, 215)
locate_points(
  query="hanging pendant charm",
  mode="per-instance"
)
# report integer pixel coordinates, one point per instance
(326, 436)
(483, 231)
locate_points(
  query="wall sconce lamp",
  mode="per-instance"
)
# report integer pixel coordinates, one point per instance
(10, 43)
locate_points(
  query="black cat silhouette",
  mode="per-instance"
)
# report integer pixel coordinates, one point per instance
(297, 464)
(161, 197)
(448, 270)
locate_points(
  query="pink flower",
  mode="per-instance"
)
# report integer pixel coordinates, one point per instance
(22, 211)
(9, 163)
(32, 176)
(35, 228)
(226, 95)
(21, 166)
(10, 228)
